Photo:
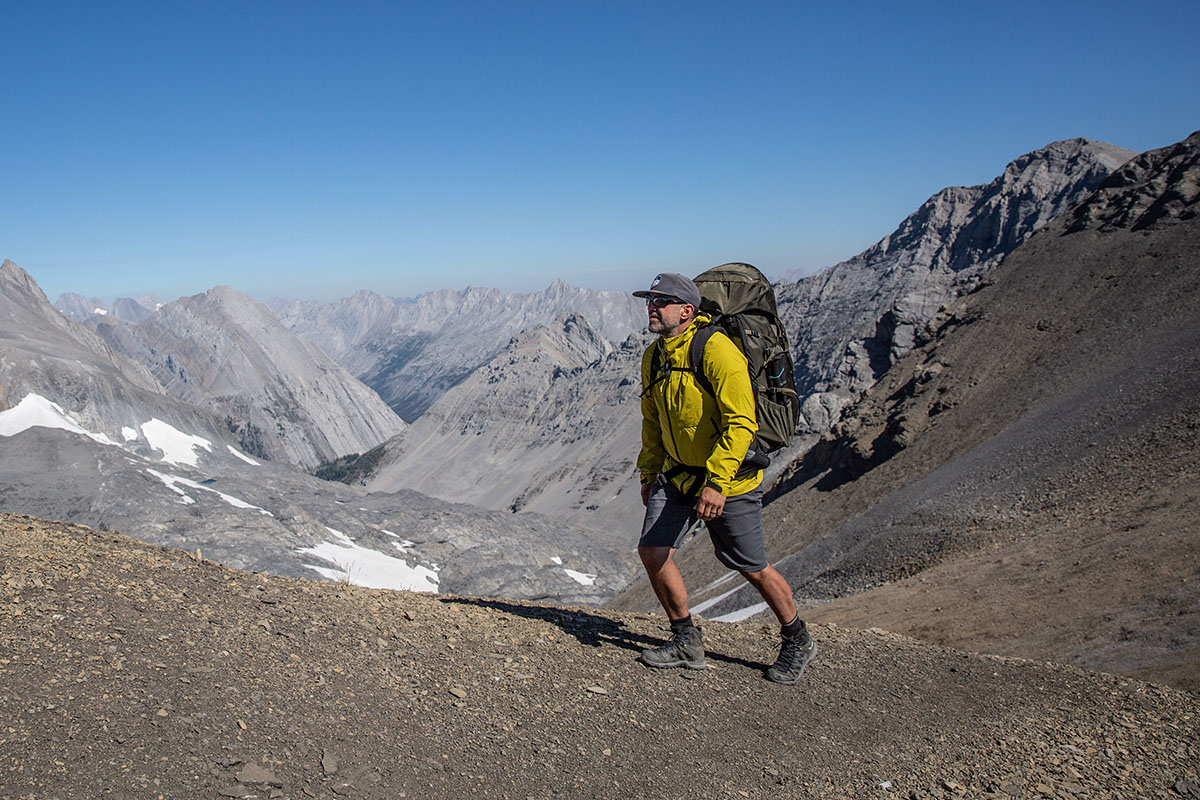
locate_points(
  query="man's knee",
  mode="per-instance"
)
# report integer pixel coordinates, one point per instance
(653, 558)
(758, 576)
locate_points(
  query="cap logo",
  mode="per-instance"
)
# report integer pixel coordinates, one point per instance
(656, 281)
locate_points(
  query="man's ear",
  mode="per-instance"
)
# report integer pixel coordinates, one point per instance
(688, 312)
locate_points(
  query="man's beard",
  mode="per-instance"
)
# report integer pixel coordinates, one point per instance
(655, 325)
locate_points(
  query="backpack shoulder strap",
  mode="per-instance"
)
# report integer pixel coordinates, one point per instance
(657, 373)
(696, 356)
(658, 370)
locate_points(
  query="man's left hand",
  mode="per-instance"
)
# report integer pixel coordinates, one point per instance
(710, 505)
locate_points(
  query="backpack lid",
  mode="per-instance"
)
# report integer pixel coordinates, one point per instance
(734, 288)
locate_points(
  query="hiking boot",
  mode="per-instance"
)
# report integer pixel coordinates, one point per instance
(794, 654)
(685, 649)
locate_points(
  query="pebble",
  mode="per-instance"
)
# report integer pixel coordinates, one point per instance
(256, 773)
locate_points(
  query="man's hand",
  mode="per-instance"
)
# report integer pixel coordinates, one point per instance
(646, 489)
(710, 505)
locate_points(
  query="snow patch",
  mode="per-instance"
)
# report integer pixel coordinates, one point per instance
(177, 447)
(242, 456)
(100, 312)
(556, 560)
(726, 578)
(363, 566)
(174, 481)
(712, 601)
(35, 411)
(185, 498)
(580, 577)
(741, 613)
(128, 434)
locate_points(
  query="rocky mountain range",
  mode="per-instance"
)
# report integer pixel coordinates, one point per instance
(548, 425)
(497, 437)
(88, 435)
(283, 398)
(43, 353)
(849, 323)
(1025, 480)
(81, 309)
(413, 351)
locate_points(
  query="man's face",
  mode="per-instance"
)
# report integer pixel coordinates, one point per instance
(665, 315)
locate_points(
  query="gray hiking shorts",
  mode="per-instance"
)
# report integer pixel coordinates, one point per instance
(737, 535)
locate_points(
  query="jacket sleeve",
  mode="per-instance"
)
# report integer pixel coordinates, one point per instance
(726, 369)
(650, 459)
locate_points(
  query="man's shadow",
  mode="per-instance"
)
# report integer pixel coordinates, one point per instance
(589, 629)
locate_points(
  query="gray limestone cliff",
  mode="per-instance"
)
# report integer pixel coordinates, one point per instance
(851, 322)
(44, 353)
(282, 397)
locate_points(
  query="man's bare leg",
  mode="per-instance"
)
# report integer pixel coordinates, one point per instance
(775, 590)
(667, 581)
(797, 647)
(685, 648)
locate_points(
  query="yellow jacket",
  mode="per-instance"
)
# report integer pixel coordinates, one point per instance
(684, 424)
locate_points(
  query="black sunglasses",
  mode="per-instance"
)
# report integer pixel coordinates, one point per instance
(658, 301)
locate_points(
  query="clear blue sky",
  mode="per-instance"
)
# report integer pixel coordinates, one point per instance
(309, 149)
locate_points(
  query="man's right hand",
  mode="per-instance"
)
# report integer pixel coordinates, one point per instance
(646, 489)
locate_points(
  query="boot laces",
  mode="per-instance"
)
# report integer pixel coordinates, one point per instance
(791, 652)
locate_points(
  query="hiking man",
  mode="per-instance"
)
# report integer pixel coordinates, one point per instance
(691, 464)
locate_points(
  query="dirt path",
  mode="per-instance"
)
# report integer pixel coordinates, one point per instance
(133, 671)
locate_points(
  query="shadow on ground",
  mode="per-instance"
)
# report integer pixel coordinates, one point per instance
(591, 630)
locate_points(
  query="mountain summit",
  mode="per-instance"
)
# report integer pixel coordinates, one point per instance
(283, 397)
(852, 321)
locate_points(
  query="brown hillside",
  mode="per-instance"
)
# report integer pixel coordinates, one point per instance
(1025, 483)
(134, 671)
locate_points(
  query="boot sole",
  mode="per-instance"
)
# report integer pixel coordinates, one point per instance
(673, 664)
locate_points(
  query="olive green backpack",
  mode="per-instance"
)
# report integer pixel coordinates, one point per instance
(741, 302)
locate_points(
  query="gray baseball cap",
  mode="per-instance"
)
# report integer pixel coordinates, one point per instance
(674, 285)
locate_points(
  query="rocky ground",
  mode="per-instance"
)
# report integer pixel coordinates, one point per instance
(129, 670)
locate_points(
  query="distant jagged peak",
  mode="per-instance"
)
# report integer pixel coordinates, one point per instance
(130, 310)
(79, 308)
(570, 340)
(1159, 187)
(226, 303)
(370, 297)
(20, 280)
(1069, 152)
(227, 295)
